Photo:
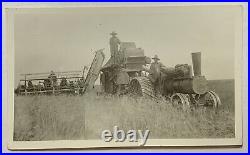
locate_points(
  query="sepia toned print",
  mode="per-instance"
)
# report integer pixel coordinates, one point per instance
(127, 75)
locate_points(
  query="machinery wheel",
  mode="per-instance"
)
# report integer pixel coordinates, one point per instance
(142, 86)
(195, 98)
(135, 88)
(180, 101)
(212, 99)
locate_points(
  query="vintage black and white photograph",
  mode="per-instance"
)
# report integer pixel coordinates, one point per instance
(127, 74)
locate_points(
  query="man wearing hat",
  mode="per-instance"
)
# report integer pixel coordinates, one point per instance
(155, 73)
(114, 42)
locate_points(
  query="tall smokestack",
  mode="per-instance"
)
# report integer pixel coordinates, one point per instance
(196, 59)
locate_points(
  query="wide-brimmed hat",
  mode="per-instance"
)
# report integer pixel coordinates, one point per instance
(113, 33)
(156, 57)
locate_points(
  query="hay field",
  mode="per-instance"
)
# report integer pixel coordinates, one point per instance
(85, 117)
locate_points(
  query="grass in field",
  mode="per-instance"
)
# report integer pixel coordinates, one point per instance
(85, 117)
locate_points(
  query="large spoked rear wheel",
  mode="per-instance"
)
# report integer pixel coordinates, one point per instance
(211, 99)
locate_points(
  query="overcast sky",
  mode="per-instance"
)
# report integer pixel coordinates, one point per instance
(62, 39)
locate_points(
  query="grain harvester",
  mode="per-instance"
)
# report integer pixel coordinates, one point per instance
(50, 83)
(183, 84)
(66, 82)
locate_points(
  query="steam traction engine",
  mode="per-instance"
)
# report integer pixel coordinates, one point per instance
(182, 85)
